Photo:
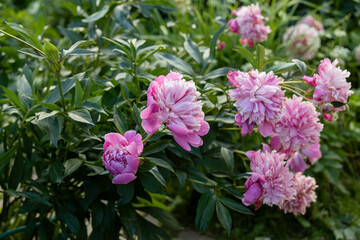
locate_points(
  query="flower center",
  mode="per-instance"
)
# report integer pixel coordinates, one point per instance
(117, 154)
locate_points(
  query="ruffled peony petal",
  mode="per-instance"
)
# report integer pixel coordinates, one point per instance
(252, 194)
(114, 139)
(124, 178)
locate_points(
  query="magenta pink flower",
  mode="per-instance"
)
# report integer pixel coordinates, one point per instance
(297, 162)
(305, 194)
(258, 100)
(298, 126)
(121, 155)
(330, 85)
(249, 23)
(221, 45)
(302, 40)
(174, 101)
(310, 21)
(271, 181)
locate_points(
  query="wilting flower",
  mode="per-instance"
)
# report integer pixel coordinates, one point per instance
(330, 84)
(357, 54)
(271, 180)
(298, 126)
(303, 41)
(121, 155)
(221, 45)
(305, 194)
(297, 162)
(249, 23)
(173, 100)
(310, 21)
(258, 100)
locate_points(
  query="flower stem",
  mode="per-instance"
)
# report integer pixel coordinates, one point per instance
(61, 91)
(241, 152)
(199, 182)
(147, 138)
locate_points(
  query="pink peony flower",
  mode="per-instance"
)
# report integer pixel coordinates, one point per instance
(305, 194)
(271, 181)
(258, 100)
(221, 45)
(298, 126)
(297, 162)
(173, 100)
(310, 21)
(330, 85)
(302, 40)
(249, 23)
(121, 155)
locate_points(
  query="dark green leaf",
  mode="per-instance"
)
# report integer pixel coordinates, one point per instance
(71, 165)
(301, 65)
(280, 68)
(161, 163)
(234, 205)
(136, 114)
(163, 216)
(81, 115)
(36, 197)
(78, 93)
(177, 63)
(224, 216)
(205, 210)
(218, 73)
(13, 98)
(56, 172)
(247, 55)
(44, 115)
(155, 172)
(337, 104)
(125, 192)
(29, 38)
(155, 147)
(31, 52)
(51, 52)
(214, 40)
(6, 157)
(76, 45)
(17, 171)
(228, 157)
(193, 50)
(260, 55)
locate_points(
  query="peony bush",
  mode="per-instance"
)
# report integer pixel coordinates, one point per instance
(135, 120)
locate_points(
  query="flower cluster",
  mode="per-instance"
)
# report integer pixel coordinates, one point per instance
(303, 39)
(174, 101)
(258, 100)
(305, 194)
(330, 86)
(249, 23)
(271, 181)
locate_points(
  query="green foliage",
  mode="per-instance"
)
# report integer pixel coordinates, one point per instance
(72, 71)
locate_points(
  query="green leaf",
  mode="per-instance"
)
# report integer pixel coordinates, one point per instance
(36, 197)
(56, 172)
(128, 219)
(205, 210)
(71, 221)
(177, 63)
(218, 73)
(78, 93)
(155, 147)
(214, 40)
(24, 92)
(155, 172)
(181, 176)
(28, 74)
(29, 38)
(161, 163)
(136, 114)
(337, 104)
(234, 205)
(31, 52)
(247, 55)
(193, 50)
(71, 165)
(260, 55)
(81, 115)
(163, 216)
(77, 45)
(97, 214)
(301, 65)
(281, 68)
(17, 171)
(44, 115)
(228, 157)
(125, 192)
(53, 127)
(120, 119)
(13, 98)
(224, 216)
(97, 15)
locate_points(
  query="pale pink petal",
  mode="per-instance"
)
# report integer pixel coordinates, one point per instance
(114, 139)
(124, 178)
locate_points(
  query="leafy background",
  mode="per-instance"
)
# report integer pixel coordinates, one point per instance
(53, 184)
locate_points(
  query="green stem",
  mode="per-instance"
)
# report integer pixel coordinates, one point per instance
(147, 138)
(10, 35)
(241, 152)
(291, 82)
(202, 183)
(61, 91)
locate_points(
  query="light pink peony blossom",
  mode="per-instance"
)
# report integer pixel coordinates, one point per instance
(330, 85)
(174, 101)
(302, 40)
(258, 100)
(271, 180)
(121, 155)
(305, 194)
(249, 23)
(298, 126)
(297, 163)
(310, 21)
